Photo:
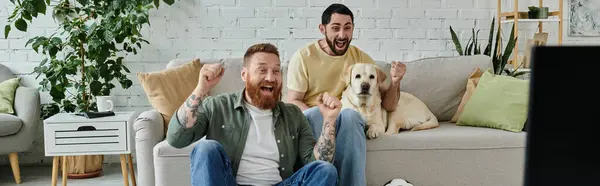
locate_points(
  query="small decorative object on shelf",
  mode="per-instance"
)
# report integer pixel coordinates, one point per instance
(533, 12)
(543, 12)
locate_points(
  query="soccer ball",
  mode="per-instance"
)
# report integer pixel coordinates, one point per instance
(398, 182)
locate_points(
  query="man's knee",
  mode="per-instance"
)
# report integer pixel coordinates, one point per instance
(325, 169)
(352, 116)
(206, 147)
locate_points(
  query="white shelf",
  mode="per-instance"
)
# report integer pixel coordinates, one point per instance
(531, 20)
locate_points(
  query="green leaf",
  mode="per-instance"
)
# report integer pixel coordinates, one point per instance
(495, 58)
(53, 51)
(21, 25)
(454, 39)
(488, 48)
(95, 87)
(156, 3)
(517, 74)
(125, 68)
(108, 36)
(40, 6)
(509, 47)
(125, 84)
(6, 31)
(26, 15)
(169, 2)
(83, 2)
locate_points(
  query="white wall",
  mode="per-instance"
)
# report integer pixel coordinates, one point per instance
(385, 29)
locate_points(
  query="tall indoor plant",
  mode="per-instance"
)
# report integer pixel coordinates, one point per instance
(499, 57)
(82, 59)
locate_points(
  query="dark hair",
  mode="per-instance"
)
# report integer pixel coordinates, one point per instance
(335, 8)
(261, 47)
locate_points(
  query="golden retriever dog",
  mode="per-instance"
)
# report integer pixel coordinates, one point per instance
(362, 93)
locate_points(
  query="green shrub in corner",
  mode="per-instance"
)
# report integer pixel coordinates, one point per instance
(7, 95)
(499, 102)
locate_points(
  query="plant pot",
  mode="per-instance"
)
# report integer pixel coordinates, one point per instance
(532, 14)
(543, 13)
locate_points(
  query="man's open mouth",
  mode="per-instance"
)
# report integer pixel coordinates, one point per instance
(267, 89)
(341, 44)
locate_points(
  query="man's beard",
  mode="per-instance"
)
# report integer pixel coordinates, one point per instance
(261, 101)
(331, 44)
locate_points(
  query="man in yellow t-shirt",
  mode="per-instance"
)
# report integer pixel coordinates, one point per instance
(315, 70)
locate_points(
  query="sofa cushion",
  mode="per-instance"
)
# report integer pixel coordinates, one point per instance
(448, 137)
(9, 124)
(471, 86)
(440, 82)
(7, 95)
(168, 89)
(499, 102)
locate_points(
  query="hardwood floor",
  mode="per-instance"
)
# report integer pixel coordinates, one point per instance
(42, 176)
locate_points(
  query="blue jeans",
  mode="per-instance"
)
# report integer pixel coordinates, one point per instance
(350, 144)
(211, 166)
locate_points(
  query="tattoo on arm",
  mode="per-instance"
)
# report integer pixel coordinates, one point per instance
(186, 114)
(325, 148)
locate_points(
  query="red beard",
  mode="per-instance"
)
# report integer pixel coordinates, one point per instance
(261, 101)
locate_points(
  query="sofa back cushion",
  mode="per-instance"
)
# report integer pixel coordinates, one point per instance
(168, 89)
(440, 82)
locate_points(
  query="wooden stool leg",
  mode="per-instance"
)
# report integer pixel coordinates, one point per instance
(14, 164)
(55, 170)
(64, 171)
(124, 169)
(131, 170)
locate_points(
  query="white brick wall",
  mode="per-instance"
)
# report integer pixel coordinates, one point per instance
(386, 29)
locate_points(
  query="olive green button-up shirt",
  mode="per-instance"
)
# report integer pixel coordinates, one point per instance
(225, 119)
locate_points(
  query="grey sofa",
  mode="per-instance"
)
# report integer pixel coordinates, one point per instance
(449, 155)
(17, 131)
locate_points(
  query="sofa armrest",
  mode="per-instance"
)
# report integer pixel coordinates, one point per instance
(149, 130)
(27, 108)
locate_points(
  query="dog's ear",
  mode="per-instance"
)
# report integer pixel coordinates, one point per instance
(347, 73)
(381, 76)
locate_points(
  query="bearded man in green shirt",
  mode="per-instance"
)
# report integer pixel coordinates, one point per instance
(253, 138)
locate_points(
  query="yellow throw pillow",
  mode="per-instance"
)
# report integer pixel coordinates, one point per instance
(169, 88)
(471, 86)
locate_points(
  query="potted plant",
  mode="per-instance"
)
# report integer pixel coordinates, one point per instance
(81, 58)
(533, 12)
(499, 56)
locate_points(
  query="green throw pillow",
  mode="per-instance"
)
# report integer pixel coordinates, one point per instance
(7, 95)
(499, 102)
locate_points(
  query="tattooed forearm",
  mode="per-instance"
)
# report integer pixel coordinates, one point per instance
(187, 112)
(325, 148)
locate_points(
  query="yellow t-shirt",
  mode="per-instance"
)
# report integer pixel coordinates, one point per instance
(312, 71)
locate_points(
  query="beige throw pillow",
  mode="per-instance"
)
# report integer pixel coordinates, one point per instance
(471, 86)
(168, 89)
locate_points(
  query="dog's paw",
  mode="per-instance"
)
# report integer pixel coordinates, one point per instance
(372, 134)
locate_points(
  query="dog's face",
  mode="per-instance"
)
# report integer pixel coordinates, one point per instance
(364, 79)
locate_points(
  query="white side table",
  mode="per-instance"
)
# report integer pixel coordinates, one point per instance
(66, 134)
